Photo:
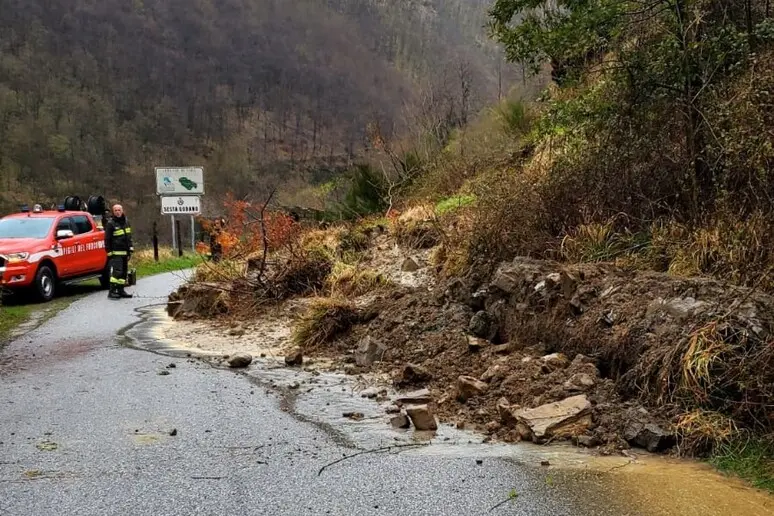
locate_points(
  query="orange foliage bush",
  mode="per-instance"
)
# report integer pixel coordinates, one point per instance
(239, 233)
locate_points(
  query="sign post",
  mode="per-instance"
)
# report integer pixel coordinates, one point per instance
(180, 190)
(174, 237)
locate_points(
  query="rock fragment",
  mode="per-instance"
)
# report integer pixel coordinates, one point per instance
(469, 387)
(295, 357)
(240, 360)
(368, 351)
(563, 419)
(422, 417)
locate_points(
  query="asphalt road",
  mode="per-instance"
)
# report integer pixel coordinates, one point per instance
(85, 426)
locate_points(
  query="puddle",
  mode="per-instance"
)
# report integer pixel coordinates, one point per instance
(649, 484)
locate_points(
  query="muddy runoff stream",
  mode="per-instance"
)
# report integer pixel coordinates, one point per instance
(640, 483)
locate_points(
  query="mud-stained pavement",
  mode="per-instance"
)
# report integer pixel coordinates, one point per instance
(98, 421)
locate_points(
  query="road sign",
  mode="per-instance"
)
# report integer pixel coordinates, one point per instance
(181, 205)
(179, 180)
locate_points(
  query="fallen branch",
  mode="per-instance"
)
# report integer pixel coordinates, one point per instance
(375, 450)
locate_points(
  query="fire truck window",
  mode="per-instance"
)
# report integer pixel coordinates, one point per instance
(82, 225)
(65, 224)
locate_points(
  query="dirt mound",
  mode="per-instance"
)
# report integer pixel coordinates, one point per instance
(644, 359)
(644, 348)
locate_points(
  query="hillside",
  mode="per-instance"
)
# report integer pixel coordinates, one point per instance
(94, 94)
(609, 238)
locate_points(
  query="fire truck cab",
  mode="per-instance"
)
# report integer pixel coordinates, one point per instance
(42, 249)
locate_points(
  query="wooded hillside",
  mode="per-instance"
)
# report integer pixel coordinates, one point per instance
(93, 94)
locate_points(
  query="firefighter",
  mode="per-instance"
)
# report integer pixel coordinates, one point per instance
(118, 244)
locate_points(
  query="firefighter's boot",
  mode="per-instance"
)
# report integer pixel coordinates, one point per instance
(113, 294)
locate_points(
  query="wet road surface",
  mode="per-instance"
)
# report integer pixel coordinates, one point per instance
(91, 426)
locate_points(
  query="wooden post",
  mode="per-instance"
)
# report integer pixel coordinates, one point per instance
(155, 242)
(179, 238)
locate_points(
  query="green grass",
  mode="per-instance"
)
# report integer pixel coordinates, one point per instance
(751, 460)
(149, 268)
(453, 203)
(11, 317)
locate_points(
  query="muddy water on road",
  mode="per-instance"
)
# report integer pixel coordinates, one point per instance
(640, 484)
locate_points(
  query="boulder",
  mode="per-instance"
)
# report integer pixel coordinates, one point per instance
(503, 349)
(569, 283)
(555, 361)
(580, 382)
(414, 374)
(587, 441)
(562, 419)
(239, 360)
(679, 307)
(476, 344)
(371, 393)
(368, 351)
(409, 265)
(483, 325)
(295, 357)
(493, 372)
(421, 396)
(469, 387)
(422, 417)
(505, 411)
(400, 421)
(649, 436)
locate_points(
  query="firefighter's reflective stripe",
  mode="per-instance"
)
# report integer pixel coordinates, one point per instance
(117, 281)
(118, 253)
(120, 232)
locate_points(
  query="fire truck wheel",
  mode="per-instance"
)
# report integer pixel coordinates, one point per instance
(45, 283)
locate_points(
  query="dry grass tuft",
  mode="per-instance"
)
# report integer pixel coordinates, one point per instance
(224, 270)
(325, 319)
(351, 280)
(706, 349)
(703, 431)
